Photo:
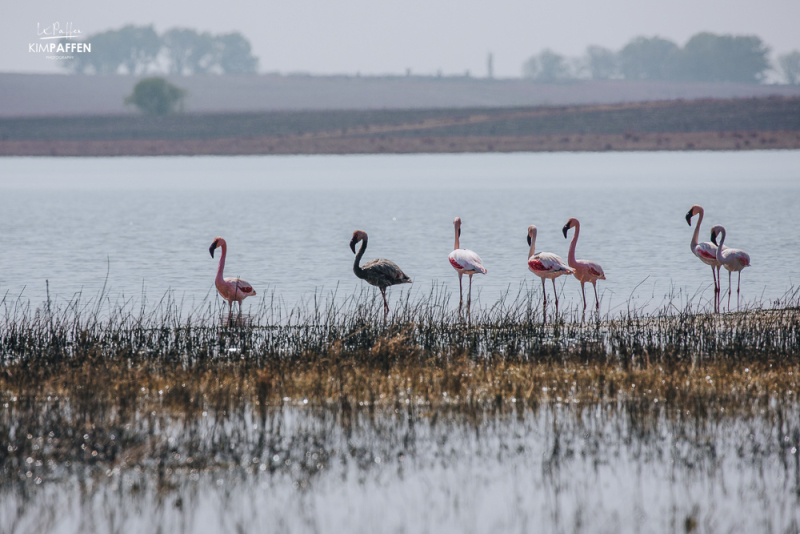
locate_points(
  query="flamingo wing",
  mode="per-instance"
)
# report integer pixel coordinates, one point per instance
(242, 286)
(466, 260)
(548, 262)
(706, 251)
(594, 269)
(741, 257)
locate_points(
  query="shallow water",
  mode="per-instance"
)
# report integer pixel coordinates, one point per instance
(148, 222)
(610, 467)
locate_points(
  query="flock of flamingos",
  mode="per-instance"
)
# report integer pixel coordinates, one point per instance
(384, 273)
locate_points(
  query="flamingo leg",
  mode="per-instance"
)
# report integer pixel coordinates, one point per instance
(555, 292)
(469, 298)
(385, 304)
(729, 290)
(460, 290)
(714, 274)
(738, 288)
(583, 292)
(594, 284)
(544, 292)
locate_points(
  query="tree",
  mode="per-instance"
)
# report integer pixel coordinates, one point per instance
(234, 55)
(648, 59)
(790, 67)
(189, 52)
(707, 57)
(133, 47)
(140, 45)
(602, 63)
(156, 96)
(546, 67)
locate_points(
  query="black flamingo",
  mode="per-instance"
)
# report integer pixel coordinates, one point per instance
(380, 273)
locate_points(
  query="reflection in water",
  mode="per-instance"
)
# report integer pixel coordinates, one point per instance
(563, 465)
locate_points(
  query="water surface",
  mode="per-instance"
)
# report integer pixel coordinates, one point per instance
(148, 222)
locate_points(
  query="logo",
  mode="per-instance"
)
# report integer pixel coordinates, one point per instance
(55, 39)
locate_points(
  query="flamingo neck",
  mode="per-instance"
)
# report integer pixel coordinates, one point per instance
(221, 266)
(356, 267)
(696, 235)
(719, 246)
(571, 259)
(531, 252)
(456, 246)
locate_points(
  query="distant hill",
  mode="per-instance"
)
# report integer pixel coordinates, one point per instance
(26, 95)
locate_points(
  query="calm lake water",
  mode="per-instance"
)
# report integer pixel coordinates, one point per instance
(148, 222)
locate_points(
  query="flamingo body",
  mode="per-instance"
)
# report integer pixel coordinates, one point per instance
(465, 261)
(230, 289)
(734, 260)
(548, 265)
(380, 272)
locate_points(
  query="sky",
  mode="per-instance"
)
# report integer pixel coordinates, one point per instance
(388, 37)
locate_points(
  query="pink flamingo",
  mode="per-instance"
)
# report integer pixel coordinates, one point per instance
(732, 259)
(585, 271)
(707, 252)
(545, 264)
(231, 289)
(464, 262)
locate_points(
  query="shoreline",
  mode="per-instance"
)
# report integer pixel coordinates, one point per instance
(344, 144)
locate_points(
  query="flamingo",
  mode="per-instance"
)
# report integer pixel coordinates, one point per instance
(732, 259)
(380, 273)
(464, 262)
(584, 270)
(231, 289)
(545, 264)
(707, 252)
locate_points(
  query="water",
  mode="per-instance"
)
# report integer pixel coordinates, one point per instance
(561, 468)
(146, 223)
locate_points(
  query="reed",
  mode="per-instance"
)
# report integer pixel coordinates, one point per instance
(422, 329)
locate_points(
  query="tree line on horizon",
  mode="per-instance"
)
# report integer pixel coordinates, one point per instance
(181, 51)
(706, 57)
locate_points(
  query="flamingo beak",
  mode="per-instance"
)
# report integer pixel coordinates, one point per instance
(689, 217)
(459, 231)
(353, 244)
(564, 230)
(529, 239)
(211, 248)
(714, 237)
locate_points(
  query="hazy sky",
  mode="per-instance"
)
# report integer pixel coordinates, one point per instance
(374, 36)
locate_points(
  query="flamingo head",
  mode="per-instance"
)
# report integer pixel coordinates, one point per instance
(692, 212)
(570, 224)
(358, 235)
(716, 231)
(531, 234)
(457, 224)
(218, 242)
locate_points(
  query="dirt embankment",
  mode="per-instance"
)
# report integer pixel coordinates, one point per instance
(747, 124)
